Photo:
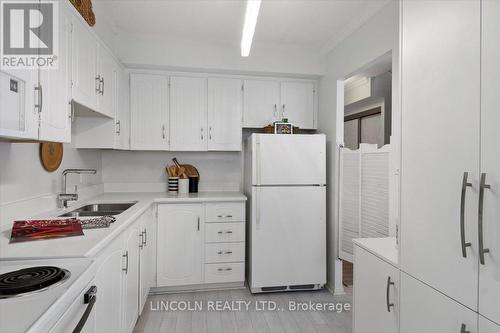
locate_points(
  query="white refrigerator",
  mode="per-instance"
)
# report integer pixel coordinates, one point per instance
(285, 181)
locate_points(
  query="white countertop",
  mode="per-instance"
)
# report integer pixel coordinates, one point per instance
(385, 248)
(94, 240)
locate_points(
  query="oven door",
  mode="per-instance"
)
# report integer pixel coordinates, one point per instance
(80, 316)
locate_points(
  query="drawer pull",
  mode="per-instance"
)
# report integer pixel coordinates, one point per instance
(224, 269)
(225, 252)
(225, 232)
(222, 216)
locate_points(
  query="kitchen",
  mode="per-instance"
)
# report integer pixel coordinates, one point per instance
(181, 186)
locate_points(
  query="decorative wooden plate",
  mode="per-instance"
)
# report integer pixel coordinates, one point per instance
(51, 155)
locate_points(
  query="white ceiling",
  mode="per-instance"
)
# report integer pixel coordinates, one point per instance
(319, 24)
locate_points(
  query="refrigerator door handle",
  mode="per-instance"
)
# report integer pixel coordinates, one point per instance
(257, 209)
(257, 161)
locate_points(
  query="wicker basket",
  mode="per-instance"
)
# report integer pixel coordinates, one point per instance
(269, 129)
(84, 7)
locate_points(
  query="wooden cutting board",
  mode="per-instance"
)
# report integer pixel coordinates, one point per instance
(51, 155)
(191, 171)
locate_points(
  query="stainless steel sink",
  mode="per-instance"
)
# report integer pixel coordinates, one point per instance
(100, 209)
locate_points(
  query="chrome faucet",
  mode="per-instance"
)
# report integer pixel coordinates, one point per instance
(64, 197)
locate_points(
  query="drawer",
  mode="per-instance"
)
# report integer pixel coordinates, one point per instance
(224, 232)
(224, 252)
(225, 212)
(217, 273)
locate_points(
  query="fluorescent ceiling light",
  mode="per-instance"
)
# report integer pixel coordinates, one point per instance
(251, 14)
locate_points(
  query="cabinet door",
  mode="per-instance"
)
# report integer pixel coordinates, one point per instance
(18, 114)
(424, 309)
(85, 83)
(225, 102)
(188, 113)
(108, 278)
(122, 116)
(149, 112)
(144, 263)
(297, 103)
(261, 100)
(440, 141)
(131, 279)
(107, 87)
(55, 121)
(489, 276)
(486, 326)
(374, 294)
(180, 245)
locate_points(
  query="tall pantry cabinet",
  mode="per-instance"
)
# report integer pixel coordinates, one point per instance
(450, 203)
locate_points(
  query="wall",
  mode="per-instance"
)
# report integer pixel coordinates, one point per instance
(23, 178)
(375, 38)
(266, 58)
(145, 170)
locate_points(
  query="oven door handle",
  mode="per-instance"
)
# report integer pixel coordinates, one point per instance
(90, 299)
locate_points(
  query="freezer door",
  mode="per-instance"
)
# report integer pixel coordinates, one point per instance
(289, 159)
(288, 236)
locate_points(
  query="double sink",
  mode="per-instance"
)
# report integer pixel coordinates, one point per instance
(99, 209)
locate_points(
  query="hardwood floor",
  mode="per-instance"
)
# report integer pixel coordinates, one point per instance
(161, 315)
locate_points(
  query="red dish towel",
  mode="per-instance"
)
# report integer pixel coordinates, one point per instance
(31, 230)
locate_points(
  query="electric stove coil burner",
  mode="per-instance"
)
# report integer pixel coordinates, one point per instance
(30, 280)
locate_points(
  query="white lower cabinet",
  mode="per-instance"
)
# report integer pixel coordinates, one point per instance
(194, 250)
(487, 326)
(180, 244)
(109, 283)
(424, 309)
(122, 294)
(131, 280)
(376, 294)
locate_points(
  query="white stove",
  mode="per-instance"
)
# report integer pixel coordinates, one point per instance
(36, 295)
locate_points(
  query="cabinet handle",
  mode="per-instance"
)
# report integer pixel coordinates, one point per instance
(222, 216)
(387, 294)
(225, 232)
(163, 131)
(462, 329)
(210, 133)
(102, 89)
(39, 88)
(482, 186)
(198, 223)
(145, 237)
(275, 113)
(118, 127)
(224, 269)
(98, 84)
(126, 263)
(141, 242)
(465, 244)
(202, 134)
(224, 252)
(283, 112)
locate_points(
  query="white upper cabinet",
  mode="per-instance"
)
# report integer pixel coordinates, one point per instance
(85, 80)
(180, 244)
(440, 147)
(106, 67)
(297, 103)
(261, 102)
(55, 115)
(188, 113)
(489, 277)
(149, 112)
(225, 102)
(122, 113)
(267, 101)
